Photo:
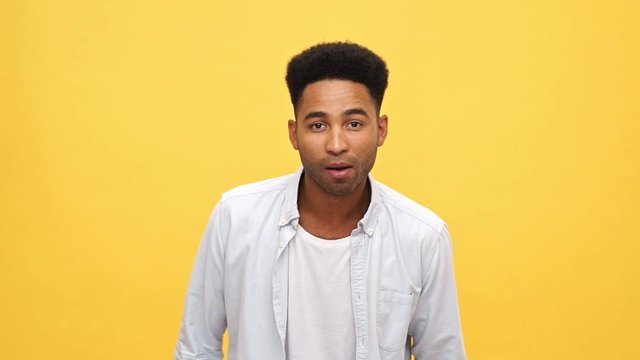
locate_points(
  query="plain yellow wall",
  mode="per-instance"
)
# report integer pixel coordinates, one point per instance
(122, 122)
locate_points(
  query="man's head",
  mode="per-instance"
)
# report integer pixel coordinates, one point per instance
(337, 90)
(340, 61)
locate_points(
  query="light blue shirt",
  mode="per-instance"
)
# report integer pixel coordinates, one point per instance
(403, 290)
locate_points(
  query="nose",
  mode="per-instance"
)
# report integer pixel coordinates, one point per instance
(337, 142)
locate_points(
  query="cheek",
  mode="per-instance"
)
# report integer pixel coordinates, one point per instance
(366, 145)
(310, 144)
(309, 151)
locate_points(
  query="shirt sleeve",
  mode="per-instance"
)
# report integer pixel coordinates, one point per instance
(205, 320)
(435, 327)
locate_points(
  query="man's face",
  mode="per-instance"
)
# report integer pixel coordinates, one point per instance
(337, 132)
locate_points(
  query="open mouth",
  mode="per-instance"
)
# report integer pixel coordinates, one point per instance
(338, 167)
(339, 170)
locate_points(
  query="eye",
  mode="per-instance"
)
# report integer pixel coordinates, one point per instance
(317, 126)
(354, 124)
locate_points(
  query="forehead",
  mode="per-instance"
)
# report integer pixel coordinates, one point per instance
(337, 95)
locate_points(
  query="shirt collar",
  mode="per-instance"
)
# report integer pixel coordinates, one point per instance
(290, 207)
(290, 212)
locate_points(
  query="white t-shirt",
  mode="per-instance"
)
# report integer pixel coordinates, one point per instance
(320, 323)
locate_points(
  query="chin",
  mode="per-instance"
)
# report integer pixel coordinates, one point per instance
(340, 190)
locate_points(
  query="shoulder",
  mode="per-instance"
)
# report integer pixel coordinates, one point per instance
(256, 189)
(256, 198)
(402, 209)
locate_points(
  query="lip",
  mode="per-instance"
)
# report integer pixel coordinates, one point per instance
(338, 165)
(339, 170)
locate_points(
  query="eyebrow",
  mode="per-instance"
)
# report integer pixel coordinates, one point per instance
(322, 114)
(315, 114)
(355, 111)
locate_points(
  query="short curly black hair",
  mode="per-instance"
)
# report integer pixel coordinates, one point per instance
(341, 61)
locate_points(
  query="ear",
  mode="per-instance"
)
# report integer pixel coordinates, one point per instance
(383, 123)
(293, 133)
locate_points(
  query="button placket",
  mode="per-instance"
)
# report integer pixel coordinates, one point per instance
(357, 289)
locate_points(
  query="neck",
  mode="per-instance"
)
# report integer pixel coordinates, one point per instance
(330, 216)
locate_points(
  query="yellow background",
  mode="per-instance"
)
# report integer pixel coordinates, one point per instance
(122, 122)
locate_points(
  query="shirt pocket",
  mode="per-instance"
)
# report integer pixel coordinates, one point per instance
(394, 316)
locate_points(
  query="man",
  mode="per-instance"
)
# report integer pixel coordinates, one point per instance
(326, 263)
